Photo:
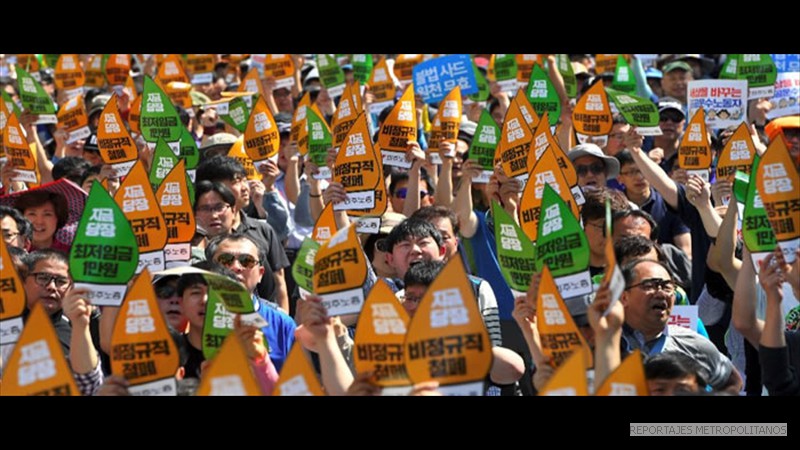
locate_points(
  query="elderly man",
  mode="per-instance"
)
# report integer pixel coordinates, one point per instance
(594, 168)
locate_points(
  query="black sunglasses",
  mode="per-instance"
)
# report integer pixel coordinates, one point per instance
(247, 261)
(596, 168)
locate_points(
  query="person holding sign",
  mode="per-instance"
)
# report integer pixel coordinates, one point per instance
(593, 167)
(247, 258)
(47, 211)
(214, 208)
(672, 121)
(648, 299)
(49, 284)
(229, 172)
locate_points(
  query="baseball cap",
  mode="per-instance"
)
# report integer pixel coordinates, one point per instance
(677, 65)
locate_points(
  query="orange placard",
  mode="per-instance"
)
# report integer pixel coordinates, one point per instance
(37, 365)
(297, 378)
(695, 152)
(542, 140)
(94, 72)
(778, 183)
(282, 68)
(171, 69)
(381, 204)
(569, 379)
(592, 114)
(628, 379)
(252, 84)
(447, 340)
(142, 349)
(12, 302)
(404, 66)
(173, 199)
(237, 152)
(357, 168)
(19, 152)
(340, 269)
(559, 334)
(607, 62)
(229, 373)
(400, 126)
(738, 154)
(325, 227)
(130, 87)
(261, 137)
(69, 74)
(546, 170)
(525, 64)
(136, 199)
(72, 117)
(382, 87)
(115, 143)
(346, 114)
(118, 68)
(446, 123)
(515, 142)
(380, 336)
(28, 62)
(134, 115)
(198, 65)
(299, 132)
(525, 107)
(178, 93)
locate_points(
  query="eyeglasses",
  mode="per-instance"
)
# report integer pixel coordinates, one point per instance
(43, 280)
(215, 209)
(651, 284)
(8, 235)
(602, 227)
(402, 192)
(671, 117)
(166, 291)
(632, 173)
(596, 168)
(245, 260)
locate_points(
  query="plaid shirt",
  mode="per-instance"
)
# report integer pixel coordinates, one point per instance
(89, 383)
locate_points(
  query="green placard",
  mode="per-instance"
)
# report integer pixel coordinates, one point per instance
(638, 111)
(319, 138)
(218, 324)
(514, 250)
(484, 143)
(51, 60)
(32, 94)
(565, 69)
(158, 118)
(741, 182)
(238, 114)
(303, 267)
(543, 96)
(104, 250)
(560, 243)
(330, 74)
(362, 67)
(623, 77)
(483, 86)
(11, 105)
(758, 69)
(188, 150)
(756, 230)
(505, 67)
(164, 160)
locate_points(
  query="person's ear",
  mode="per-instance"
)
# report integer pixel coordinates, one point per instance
(261, 270)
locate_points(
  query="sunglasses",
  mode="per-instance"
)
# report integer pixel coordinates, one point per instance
(166, 291)
(402, 192)
(670, 117)
(596, 168)
(245, 260)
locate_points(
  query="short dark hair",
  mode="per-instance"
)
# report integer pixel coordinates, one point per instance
(432, 212)
(618, 215)
(72, 168)
(672, 365)
(38, 197)
(618, 119)
(629, 273)
(595, 206)
(397, 178)
(219, 168)
(423, 273)
(214, 243)
(188, 280)
(412, 228)
(23, 224)
(635, 246)
(624, 157)
(31, 259)
(205, 186)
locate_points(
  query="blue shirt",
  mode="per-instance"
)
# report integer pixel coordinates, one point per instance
(669, 224)
(279, 331)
